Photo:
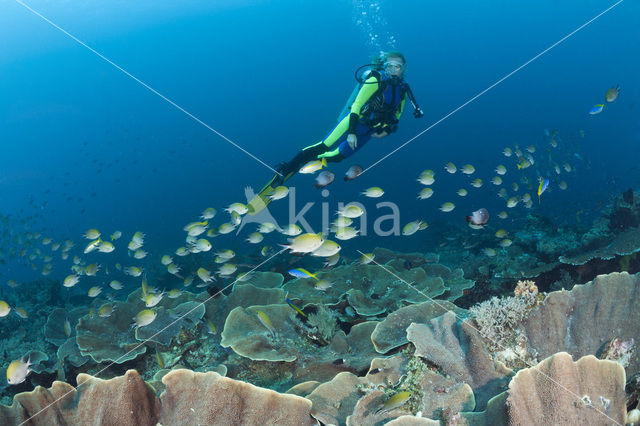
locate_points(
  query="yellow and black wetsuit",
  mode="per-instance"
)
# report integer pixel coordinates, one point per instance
(377, 108)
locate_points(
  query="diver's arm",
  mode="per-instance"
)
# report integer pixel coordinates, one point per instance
(366, 91)
(401, 109)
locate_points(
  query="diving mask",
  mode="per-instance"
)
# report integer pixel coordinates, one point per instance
(393, 67)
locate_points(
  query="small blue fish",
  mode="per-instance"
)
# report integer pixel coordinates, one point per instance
(544, 183)
(596, 109)
(301, 273)
(298, 310)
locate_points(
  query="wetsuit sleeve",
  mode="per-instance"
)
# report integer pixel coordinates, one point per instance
(401, 109)
(368, 89)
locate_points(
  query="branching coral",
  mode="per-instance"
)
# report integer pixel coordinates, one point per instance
(324, 324)
(498, 318)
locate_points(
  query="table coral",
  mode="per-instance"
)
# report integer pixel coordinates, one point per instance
(208, 398)
(583, 320)
(561, 391)
(368, 288)
(391, 332)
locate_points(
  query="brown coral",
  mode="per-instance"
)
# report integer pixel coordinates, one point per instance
(391, 333)
(208, 398)
(456, 348)
(582, 321)
(130, 402)
(189, 398)
(559, 391)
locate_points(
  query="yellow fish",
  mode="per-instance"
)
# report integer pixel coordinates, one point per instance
(313, 166)
(159, 358)
(264, 319)
(144, 317)
(211, 327)
(4, 308)
(92, 234)
(18, 371)
(396, 401)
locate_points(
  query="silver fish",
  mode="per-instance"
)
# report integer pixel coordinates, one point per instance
(324, 179)
(479, 217)
(353, 172)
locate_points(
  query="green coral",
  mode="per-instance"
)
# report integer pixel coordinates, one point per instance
(411, 381)
(368, 288)
(169, 322)
(324, 323)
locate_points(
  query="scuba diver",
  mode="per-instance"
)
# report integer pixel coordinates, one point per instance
(372, 111)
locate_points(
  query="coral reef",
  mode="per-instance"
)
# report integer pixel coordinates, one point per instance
(619, 351)
(625, 243)
(168, 323)
(497, 318)
(69, 352)
(391, 332)
(409, 260)
(208, 398)
(130, 402)
(265, 279)
(54, 328)
(560, 391)
(367, 288)
(335, 400)
(582, 321)
(189, 398)
(285, 337)
(456, 348)
(323, 323)
(616, 233)
(246, 294)
(447, 362)
(454, 281)
(111, 338)
(247, 334)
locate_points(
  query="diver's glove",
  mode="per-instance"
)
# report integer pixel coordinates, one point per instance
(352, 140)
(417, 113)
(390, 128)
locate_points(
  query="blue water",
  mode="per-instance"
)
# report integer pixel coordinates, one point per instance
(85, 146)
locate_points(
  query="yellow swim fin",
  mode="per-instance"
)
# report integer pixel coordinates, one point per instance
(262, 199)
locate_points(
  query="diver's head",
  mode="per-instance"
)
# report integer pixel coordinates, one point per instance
(394, 64)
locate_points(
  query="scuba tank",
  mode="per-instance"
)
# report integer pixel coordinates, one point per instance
(347, 106)
(361, 79)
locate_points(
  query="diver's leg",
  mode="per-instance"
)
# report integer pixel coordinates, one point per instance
(313, 152)
(304, 156)
(344, 150)
(284, 171)
(287, 170)
(333, 156)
